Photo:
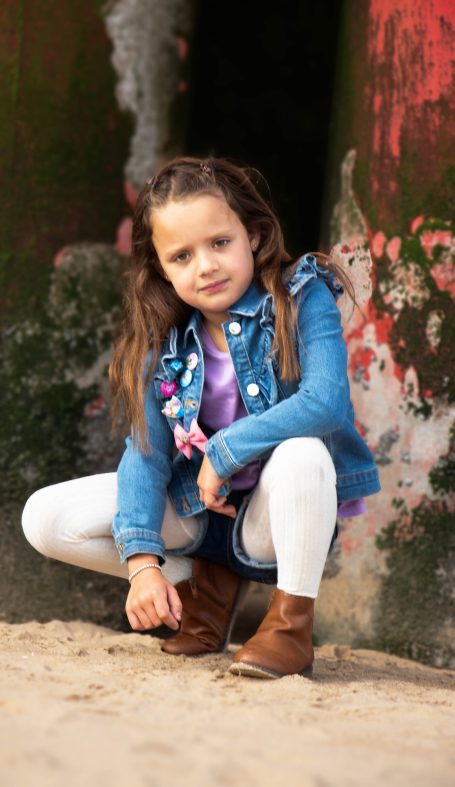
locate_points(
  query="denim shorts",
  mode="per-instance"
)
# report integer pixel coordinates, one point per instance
(217, 546)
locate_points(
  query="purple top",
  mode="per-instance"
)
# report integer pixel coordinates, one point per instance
(221, 404)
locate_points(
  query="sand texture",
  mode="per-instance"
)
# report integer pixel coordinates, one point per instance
(85, 705)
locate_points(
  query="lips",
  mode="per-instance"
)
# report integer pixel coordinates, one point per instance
(214, 286)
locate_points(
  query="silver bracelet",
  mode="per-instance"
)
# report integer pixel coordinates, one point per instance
(147, 565)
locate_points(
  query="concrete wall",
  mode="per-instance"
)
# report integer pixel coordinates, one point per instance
(84, 81)
(63, 142)
(391, 190)
(93, 95)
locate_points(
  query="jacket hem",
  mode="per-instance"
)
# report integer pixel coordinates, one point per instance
(203, 521)
(361, 488)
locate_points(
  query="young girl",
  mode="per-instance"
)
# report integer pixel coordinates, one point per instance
(231, 369)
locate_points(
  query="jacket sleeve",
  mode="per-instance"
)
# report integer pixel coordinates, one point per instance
(142, 481)
(318, 406)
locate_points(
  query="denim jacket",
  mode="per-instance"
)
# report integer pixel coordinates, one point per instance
(317, 405)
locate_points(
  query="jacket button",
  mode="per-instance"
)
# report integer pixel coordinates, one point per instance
(121, 547)
(185, 504)
(235, 328)
(252, 389)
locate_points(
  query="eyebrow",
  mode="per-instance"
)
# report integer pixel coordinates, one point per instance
(222, 234)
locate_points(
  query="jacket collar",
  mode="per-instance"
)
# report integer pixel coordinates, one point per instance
(250, 302)
(247, 306)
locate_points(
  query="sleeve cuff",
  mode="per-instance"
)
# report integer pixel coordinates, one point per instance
(137, 540)
(220, 458)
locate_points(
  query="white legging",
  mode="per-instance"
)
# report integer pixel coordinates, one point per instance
(291, 518)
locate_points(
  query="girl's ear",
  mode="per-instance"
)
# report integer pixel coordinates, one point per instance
(254, 240)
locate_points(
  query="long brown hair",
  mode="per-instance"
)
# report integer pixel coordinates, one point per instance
(151, 304)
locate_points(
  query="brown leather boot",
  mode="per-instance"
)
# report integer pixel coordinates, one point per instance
(210, 599)
(282, 644)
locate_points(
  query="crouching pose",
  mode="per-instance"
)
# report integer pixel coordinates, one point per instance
(231, 368)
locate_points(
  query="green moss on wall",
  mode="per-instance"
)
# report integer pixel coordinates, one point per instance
(63, 143)
(51, 370)
(423, 297)
(415, 613)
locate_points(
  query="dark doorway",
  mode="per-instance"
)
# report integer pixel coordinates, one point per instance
(261, 93)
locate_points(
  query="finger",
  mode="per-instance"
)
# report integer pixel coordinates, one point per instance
(208, 498)
(134, 621)
(164, 613)
(147, 618)
(174, 603)
(217, 502)
(228, 510)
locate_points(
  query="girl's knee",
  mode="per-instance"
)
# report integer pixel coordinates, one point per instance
(57, 518)
(38, 522)
(294, 455)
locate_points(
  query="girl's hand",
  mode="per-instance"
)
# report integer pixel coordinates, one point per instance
(152, 601)
(209, 485)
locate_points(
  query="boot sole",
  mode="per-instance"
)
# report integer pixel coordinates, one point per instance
(256, 671)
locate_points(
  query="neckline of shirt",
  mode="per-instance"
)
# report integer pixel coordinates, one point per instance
(210, 346)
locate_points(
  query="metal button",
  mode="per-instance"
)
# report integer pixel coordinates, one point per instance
(121, 547)
(252, 389)
(185, 504)
(235, 328)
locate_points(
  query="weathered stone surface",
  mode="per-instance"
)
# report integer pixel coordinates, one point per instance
(55, 426)
(392, 191)
(150, 43)
(65, 147)
(63, 142)
(53, 377)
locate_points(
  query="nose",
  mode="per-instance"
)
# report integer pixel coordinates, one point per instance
(207, 263)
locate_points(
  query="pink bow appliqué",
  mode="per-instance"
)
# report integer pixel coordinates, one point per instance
(185, 440)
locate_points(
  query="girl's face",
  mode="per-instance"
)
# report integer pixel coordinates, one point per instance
(205, 252)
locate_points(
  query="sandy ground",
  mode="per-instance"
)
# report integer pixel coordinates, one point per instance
(84, 705)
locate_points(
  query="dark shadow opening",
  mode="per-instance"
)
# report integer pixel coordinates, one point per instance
(261, 93)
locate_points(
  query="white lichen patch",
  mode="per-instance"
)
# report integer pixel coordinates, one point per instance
(145, 56)
(406, 285)
(433, 327)
(357, 262)
(348, 225)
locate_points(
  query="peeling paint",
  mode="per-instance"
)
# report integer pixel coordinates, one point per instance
(388, 370)
(405, 285)
(413, 34)
(348, 225)
(391, 186)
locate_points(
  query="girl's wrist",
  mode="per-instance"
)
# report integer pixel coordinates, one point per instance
(140, 563)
